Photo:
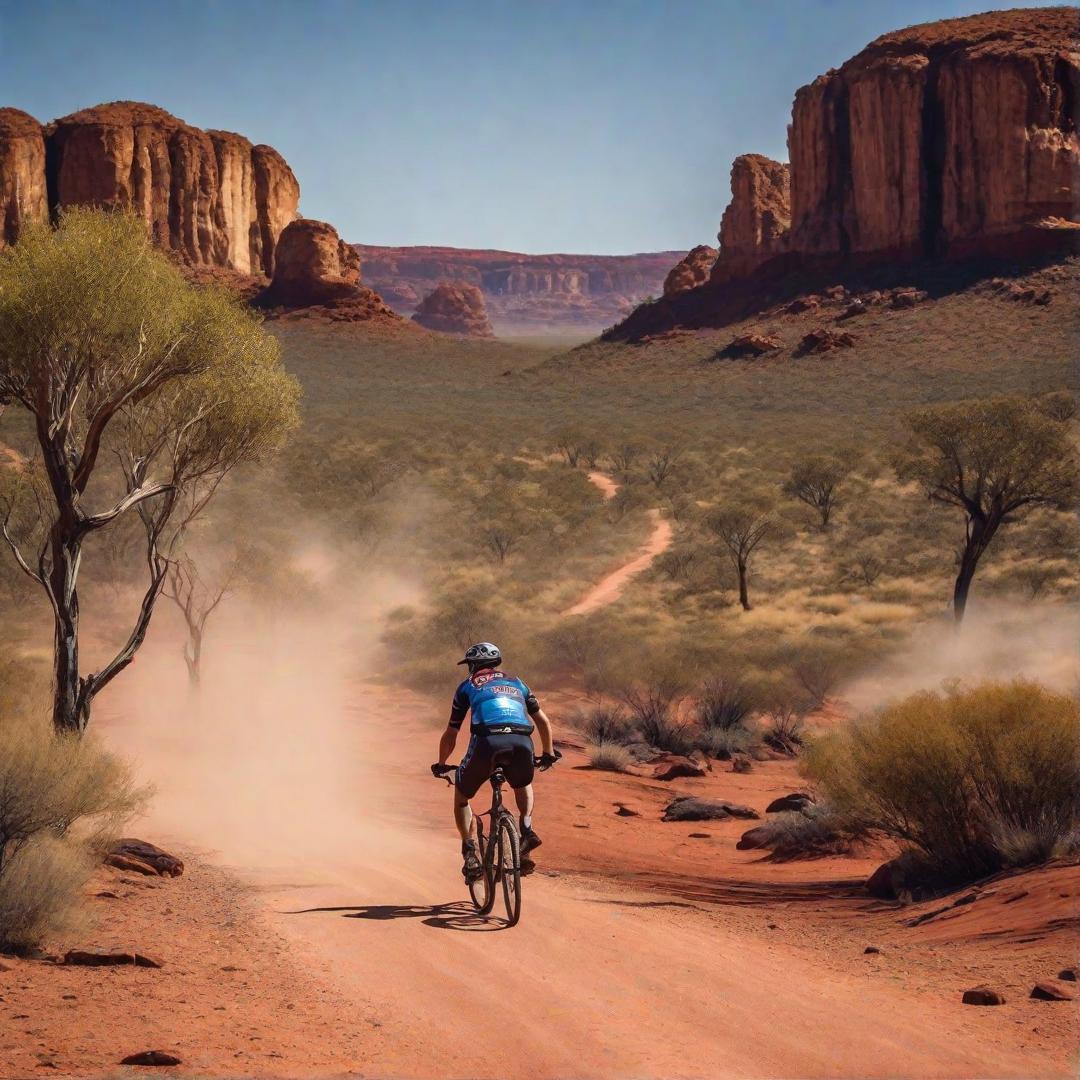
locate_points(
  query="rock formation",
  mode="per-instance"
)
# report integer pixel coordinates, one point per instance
(454, 308)
(941, 139)
(690, 271)
(534, 292)
(317, 276)
(211, 197)
(313, 266)
(22, 173)
(755, 223)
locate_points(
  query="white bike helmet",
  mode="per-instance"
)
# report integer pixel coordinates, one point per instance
(482, 654)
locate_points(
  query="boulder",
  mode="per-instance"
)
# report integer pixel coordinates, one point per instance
(793, 803)
(690, 808)
(314, 266)
(23, 198)
(147, 855)
(108, 958)
(907, 298)
(691, 270)
(674, 767)
(884, 882)
(982, 995)
(1051, 991)
(760, 836)
(151, 1059)
(823, 340)
(1067, 974)
(455, 308)
(752, 345)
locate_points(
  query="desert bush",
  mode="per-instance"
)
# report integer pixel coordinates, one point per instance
(963, 775)
(784, 726)
(665, 733)
(725, 743)
(59, 798)
(812, 833)
(606, 724)
(609, 756)
(725, 701)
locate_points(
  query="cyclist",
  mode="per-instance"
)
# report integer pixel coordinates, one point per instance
(504, 711)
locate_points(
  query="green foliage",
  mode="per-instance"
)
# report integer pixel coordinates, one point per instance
(959, 774)
(59, 798)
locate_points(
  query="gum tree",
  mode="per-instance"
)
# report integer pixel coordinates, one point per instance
(994, 461)
(143, 393)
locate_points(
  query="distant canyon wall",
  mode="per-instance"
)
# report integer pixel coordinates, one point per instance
(211, 197)
(522, 291)
(944, 140)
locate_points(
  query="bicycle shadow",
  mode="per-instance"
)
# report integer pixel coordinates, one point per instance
(456, 915)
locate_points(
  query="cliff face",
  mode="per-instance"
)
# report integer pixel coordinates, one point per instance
(210, 196)
(941, 139)
(755, 223)
(22, 173)
(522, 291)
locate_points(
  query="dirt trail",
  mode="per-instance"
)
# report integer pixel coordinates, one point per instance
(610, 588)
(593, 982)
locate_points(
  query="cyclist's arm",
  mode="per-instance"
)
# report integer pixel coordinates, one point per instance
(446, 743)
(543, 728)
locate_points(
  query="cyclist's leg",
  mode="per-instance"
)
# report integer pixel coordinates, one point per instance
(519, 772)
(463, 816)
(474, 769)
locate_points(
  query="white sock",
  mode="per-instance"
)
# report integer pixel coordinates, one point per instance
(526, 822)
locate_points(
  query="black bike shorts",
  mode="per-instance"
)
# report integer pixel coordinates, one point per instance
(512, 752)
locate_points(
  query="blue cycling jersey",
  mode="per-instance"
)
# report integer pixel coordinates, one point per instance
(496, 700)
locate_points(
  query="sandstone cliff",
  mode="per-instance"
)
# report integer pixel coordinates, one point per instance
(942, 139)
(454, 308)
(22, 173)
(534, 292)
(755, 223)
(209, 196)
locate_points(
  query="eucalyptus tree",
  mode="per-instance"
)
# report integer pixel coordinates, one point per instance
(143, 391)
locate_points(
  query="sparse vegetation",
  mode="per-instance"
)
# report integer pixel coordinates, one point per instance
(609, 757)
(117, 359)
(816, 480)
(974, 779)
(60, 796)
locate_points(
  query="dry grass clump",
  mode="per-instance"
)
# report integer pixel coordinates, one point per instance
(60, 797)
(609, 756)
(974, 779)
(812, 833)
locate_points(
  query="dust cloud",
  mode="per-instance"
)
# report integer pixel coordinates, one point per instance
(266, 764)
(997, 641)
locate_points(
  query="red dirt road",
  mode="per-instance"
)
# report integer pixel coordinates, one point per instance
(596, 981)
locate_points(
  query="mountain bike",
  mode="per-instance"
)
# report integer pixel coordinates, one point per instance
(499, 852)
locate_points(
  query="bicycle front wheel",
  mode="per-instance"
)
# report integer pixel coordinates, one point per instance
(510, 868)
(482, 890)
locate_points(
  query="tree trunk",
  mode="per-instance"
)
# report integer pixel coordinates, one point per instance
(193, 658)
(71, 705)
(744, 594)
(979, 535)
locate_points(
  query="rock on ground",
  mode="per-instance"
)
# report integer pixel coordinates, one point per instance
(455, 308)
(690, 808)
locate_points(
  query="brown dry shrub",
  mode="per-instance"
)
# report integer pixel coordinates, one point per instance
(61, 798)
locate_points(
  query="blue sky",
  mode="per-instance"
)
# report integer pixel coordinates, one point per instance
(603, 126)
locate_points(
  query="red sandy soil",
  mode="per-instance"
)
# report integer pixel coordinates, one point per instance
(641, 952)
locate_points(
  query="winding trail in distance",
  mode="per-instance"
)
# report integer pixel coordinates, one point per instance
(609, 588)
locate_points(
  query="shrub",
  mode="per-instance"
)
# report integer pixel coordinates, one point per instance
(974, 779)
(606, 724)
(725, 743)
(60, 796)
(813, 833)
(724, 702)
(609, 756)
(784, 731)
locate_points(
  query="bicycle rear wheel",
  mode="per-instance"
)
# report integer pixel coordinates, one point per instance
(482, 890)
(510, 867)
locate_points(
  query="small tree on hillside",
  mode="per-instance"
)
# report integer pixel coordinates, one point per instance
(993, 460)
(144, 392)
(816, 481)
(742, 528)
(660, 462)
